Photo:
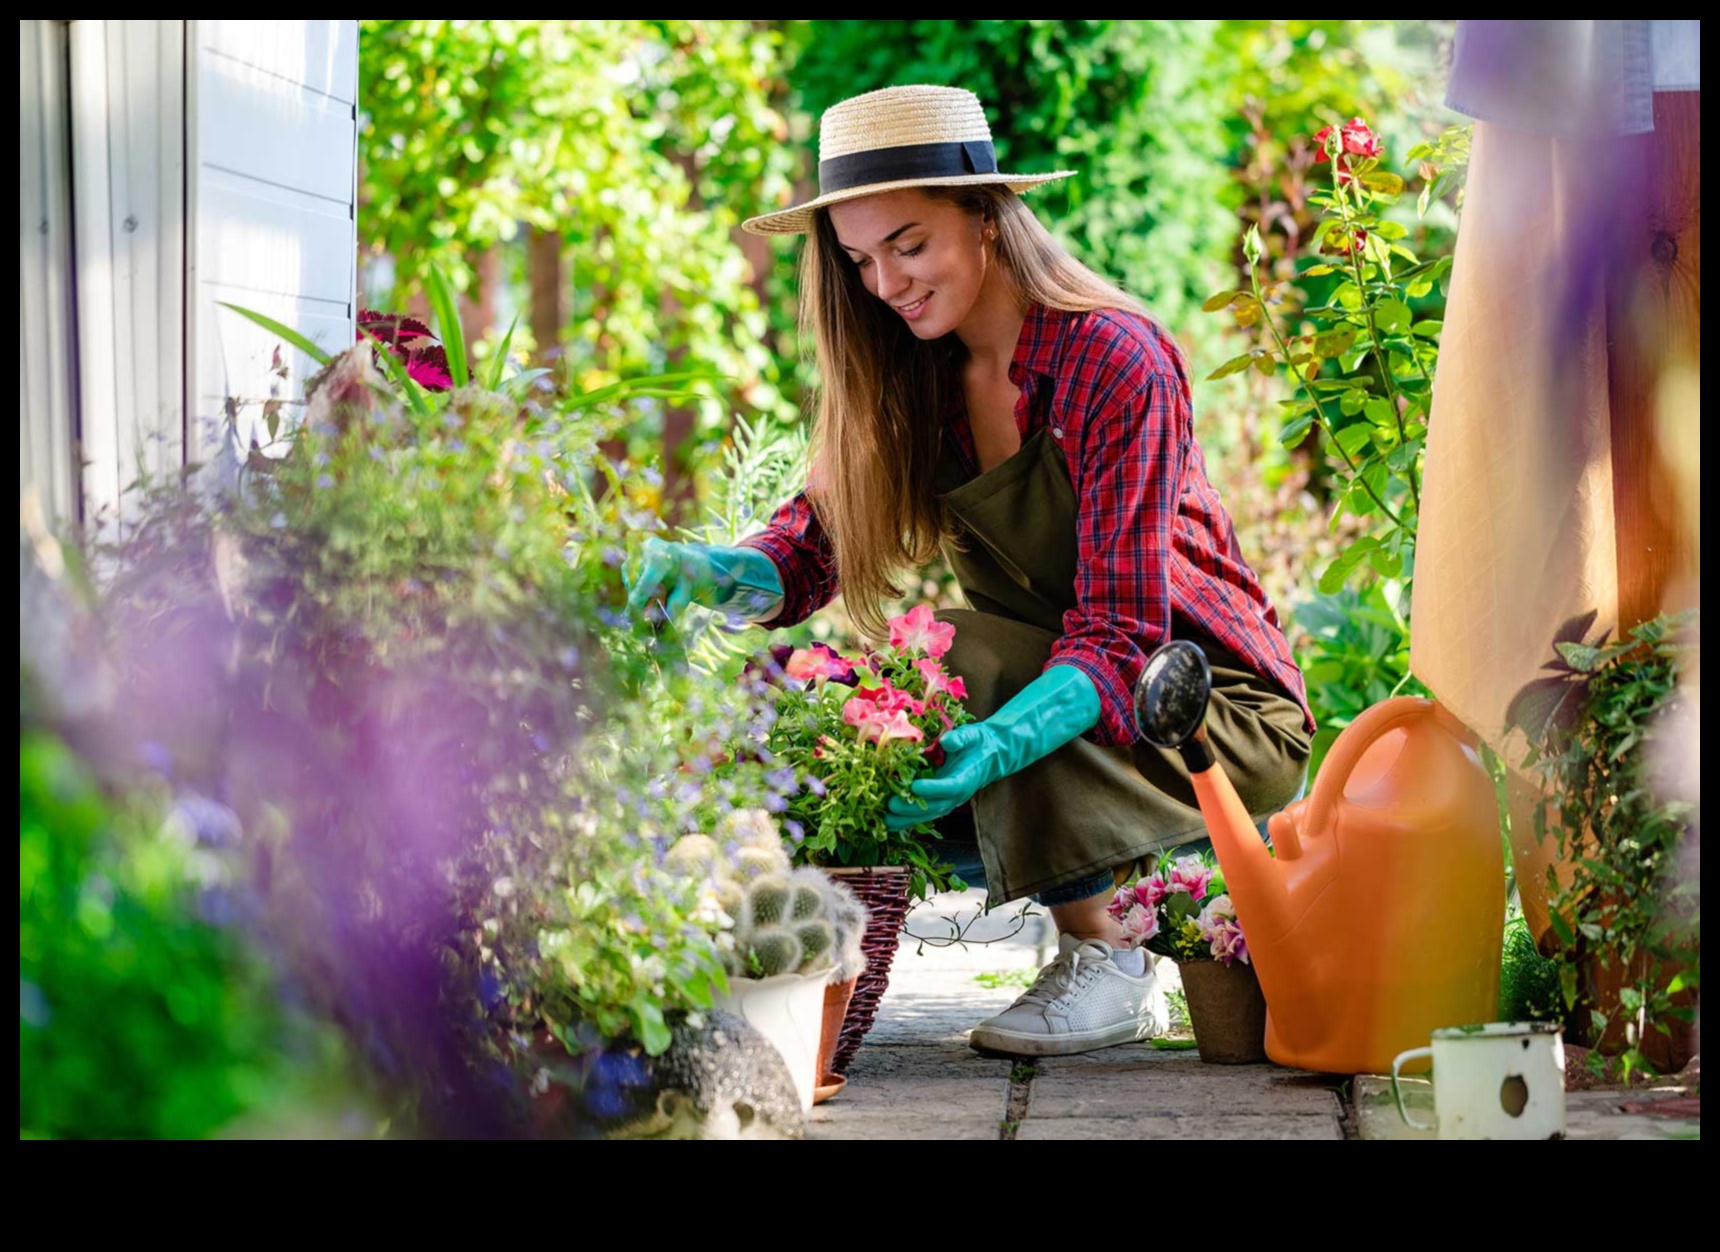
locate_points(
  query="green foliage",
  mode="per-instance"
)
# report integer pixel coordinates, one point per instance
(1357, 655)
(1594, 726)
(639, 144)
(1361, 365)
(139, 1018)
(1137, 108)
(1528, 982)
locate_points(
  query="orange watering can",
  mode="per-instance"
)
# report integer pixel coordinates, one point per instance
(1379, 918)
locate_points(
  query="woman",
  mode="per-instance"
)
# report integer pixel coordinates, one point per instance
(986, 393)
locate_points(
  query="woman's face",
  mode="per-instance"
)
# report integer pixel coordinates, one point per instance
(925, 258)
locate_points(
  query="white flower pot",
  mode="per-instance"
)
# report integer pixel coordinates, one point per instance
(789, 1011)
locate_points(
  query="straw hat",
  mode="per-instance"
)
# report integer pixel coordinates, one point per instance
(894, 138)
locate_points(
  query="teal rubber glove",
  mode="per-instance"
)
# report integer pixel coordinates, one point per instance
(731, 580)
(1047, 713)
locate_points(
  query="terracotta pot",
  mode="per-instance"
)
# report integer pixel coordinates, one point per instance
(1602, 981)
(1227, 1011)
(883, 890)
(837, 996)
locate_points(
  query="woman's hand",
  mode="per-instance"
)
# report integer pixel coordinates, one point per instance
(735, 580)
(1046, 714)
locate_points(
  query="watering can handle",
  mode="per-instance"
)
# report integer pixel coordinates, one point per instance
(1398, 1062)
(1347, 750)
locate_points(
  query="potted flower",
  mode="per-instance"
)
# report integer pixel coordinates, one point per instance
(1182, 912)
(856, 733)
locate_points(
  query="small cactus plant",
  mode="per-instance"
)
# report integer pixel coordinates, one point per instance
(786, 921)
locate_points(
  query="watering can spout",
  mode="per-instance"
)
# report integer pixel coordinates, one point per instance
(1170, 709)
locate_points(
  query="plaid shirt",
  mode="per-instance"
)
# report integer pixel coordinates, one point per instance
(1153, 539)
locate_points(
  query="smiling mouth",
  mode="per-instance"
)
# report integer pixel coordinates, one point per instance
(916, 306)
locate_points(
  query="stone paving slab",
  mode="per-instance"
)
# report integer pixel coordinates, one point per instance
(1141, 1082)
(1589, 1115)
(1180, 1126)
(923, 1091)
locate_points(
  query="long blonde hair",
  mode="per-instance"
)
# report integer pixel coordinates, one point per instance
(884, 393)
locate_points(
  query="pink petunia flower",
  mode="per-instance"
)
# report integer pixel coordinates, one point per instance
(1151, 890)
(1190, 874)
(1139, 924)
(877, 723)
(918, 631)
(820, 663)
(1222, 932)
(939, 682)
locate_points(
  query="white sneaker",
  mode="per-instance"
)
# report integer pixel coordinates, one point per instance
(1079, 1002)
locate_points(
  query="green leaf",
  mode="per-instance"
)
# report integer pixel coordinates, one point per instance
(1235, 365)
(1392, 316)
(1391, 230)
(1387, 562)
(1382, 181)
(1579, 656)
(1352, 439)
(1418, 288)
(499, 360)
(448, 327)
(1296, 429)
(1318, 271)
(285, 332)
(1379, 412)
(1334, 343)
(1351, 402)
(1266, 363)
(1427, 328)
(1338, 572)
(1220, 300)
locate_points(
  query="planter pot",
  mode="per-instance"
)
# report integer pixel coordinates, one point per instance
(837, 996)
(1227, 1011)
(788, 1010)
(884, 891)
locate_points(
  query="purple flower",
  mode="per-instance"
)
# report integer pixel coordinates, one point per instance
(781, 779)
(816, 786)
(794, 830)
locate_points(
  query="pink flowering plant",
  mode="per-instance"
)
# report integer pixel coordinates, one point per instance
(1182, 911)
(857, 732)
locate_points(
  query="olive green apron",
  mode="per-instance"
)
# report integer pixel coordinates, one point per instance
(1084, 808)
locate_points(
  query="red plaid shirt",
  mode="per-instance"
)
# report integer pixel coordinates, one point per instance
(1153, 539)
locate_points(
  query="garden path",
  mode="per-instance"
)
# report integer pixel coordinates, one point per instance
(916, 1078)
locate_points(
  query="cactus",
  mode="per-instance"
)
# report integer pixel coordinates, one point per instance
(817, 938)
(767, 902)
(785, 921)
(755, 862)
(695, 856)
(773, 952)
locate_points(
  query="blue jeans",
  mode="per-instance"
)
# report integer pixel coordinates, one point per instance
(961, 849)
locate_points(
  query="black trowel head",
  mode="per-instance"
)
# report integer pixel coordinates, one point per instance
(1170, 698)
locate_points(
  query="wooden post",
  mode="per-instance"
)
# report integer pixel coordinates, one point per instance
(1654, 320)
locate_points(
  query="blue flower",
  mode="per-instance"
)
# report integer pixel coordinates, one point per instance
(815, 786)
(375, 452)
(489, 990)
(324, 481)
(775, 803)
(794, 830)
(782, 779)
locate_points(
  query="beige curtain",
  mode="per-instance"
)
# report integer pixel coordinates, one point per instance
(1517, 509)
